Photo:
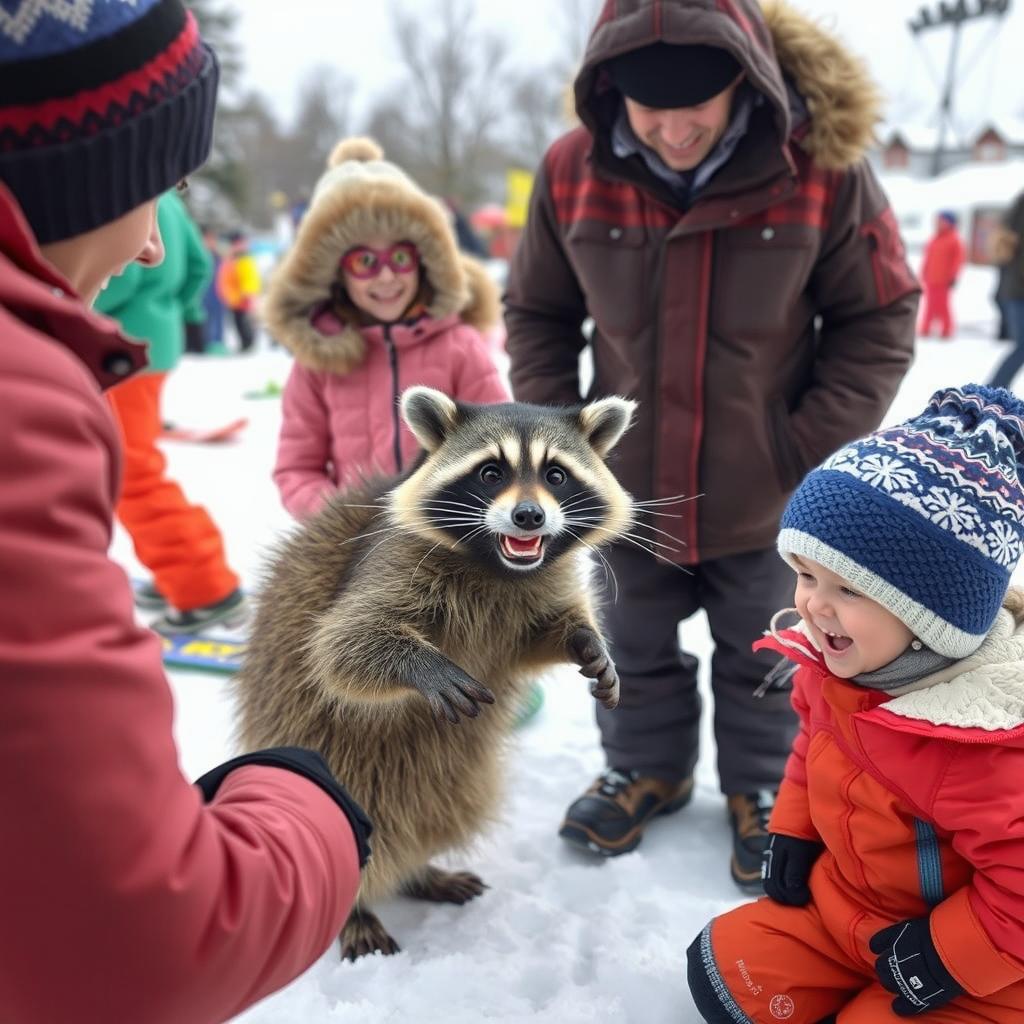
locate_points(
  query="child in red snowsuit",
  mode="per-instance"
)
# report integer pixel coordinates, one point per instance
(894, 871)
(943, 260)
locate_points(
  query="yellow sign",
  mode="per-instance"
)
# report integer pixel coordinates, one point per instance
(518, 185)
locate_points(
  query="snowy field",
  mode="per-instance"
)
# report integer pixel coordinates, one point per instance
(559, 937)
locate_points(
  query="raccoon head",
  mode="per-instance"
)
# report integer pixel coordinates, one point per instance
(513, 486)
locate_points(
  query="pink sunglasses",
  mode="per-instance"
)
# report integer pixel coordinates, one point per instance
(363, 263)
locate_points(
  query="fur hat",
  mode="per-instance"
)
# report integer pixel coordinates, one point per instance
(926, 517)
(104, 105)
(359, 196)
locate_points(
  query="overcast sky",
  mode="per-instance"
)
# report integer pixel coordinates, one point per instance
(281, 42)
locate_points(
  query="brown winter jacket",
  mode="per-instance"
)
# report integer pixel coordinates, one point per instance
(761, 328)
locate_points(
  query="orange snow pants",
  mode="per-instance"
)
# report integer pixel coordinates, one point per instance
(937, 308)
(178, 542)
(764, 962)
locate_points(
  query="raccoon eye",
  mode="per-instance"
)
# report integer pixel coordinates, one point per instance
(555, 476)
(491, 474)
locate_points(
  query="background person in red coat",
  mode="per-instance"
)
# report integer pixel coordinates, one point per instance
(895, 861)
(943, 260)
(126, 894)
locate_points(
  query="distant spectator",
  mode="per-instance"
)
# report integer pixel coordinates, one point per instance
(943, 261)
(1012, 293)
(238, 286)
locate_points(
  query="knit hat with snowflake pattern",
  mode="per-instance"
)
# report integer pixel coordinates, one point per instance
(104, 105)
(926, 517)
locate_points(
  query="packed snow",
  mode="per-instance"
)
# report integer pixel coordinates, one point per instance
(559, 936)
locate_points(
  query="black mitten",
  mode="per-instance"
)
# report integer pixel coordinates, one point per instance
(303, 762)
(910, 966)
(785, 867)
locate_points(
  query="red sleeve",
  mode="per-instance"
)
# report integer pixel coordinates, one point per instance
(116, 881)
(791, 815)
(979, 929)
(304, 446)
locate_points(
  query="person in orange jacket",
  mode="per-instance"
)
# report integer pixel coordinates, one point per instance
(238, 287)
(943, 261)
(894, 870)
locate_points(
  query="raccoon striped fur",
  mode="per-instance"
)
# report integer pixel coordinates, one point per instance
(397, 631)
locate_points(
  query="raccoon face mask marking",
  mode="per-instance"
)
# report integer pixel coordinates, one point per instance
(513, 486)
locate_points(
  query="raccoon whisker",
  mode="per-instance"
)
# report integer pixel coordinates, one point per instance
(455, 504)
(635, 537)
(654, 529)
(678, 499)
(608, 570)
(643, 547)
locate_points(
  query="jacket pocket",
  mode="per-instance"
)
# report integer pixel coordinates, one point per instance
(611, 263)
(761, 274)
(789, 467)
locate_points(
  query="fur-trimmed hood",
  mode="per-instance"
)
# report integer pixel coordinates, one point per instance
(774, 43)
(361, 196)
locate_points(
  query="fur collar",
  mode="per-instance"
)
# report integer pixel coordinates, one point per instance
(983, 691)
(843, 102)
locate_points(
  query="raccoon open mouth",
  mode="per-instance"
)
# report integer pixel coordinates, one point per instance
(522, 551)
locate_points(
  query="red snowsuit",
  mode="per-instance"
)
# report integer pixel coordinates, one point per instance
(943, 259)
(919, 804)
(123, 896)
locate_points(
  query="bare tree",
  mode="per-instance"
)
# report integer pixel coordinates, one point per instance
(443, 123)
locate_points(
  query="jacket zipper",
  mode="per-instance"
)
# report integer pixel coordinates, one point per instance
(395, 420)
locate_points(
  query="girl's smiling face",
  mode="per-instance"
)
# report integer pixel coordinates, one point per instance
(855, 634)
(386, 294)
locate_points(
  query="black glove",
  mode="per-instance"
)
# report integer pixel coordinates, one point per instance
(303, 762)
(785, 867)
(910, 966)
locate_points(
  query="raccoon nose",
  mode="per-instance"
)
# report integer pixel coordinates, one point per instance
(528, 515)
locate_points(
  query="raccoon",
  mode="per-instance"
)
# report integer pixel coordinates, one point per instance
(397, 631)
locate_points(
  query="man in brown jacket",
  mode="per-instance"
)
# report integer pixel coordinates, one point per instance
(716, 219)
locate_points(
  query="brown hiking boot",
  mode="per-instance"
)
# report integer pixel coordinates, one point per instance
(610, 817)
(748, 816)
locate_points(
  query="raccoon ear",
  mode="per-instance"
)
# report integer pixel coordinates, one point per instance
(603, 422)
(431, 415)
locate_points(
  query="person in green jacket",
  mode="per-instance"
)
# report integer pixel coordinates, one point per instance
(176, 540)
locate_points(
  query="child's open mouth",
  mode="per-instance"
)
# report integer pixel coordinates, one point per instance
(836, 643)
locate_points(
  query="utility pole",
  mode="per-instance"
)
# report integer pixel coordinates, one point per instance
(955, 13)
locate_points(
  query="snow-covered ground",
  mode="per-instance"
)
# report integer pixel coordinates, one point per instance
(559, 937)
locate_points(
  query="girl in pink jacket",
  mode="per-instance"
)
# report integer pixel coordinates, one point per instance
(372, 298)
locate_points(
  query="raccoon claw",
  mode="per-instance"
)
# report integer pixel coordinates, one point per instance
(450, 697)
(587, 649)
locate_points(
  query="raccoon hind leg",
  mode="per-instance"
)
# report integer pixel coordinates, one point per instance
(437, 886)
(363, 934)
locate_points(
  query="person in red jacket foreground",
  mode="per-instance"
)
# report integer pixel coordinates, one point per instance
(943, 261)
(894, 870)
(127, 894)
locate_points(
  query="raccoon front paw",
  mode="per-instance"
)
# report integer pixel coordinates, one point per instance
(450, 691)
(588, 650)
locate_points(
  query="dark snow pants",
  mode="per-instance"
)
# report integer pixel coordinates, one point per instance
(656, 727)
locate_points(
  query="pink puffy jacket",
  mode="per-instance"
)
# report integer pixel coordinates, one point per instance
(338, 426)
(123, 896)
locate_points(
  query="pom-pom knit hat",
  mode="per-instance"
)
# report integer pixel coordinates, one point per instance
(926, 518)
(104, 105)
